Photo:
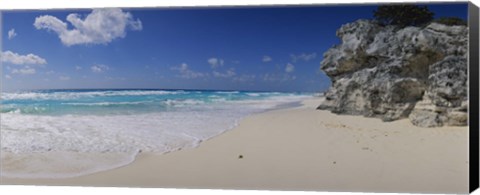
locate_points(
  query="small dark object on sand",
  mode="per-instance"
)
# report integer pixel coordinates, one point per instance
(240, 156)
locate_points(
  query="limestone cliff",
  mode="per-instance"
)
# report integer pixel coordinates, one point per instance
(392, 73)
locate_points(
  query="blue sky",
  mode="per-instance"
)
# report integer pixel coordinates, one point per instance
(266, 49)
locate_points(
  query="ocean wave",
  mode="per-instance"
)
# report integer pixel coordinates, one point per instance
(106, 103)
(182, 102)
(219, 99)
(11, 110)
(227, 92)
(79, 94)
(253, 94)
(23, 110)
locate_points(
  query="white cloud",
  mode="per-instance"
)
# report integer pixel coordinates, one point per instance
(278, 77)
(8, 76)
(99, 68)
(64, 78)
(116, 78)
(185, 72)
(15, 58)
(101, 26)
(49, 72)
(11, 33)
(78, 68)
(303, 56)
(245, 78)
(25, 71)
(289, 68)
(215, 62)
(227, 74)
(266, 59)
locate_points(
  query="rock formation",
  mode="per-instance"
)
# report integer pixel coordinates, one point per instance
(418, 73)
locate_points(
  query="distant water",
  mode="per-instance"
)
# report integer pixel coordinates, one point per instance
(126, 121)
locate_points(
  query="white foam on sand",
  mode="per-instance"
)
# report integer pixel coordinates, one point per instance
(73, 145)
(155, 132)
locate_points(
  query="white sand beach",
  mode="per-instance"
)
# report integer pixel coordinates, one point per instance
(303, 149)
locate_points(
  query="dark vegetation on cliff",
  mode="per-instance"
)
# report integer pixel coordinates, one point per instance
(403, 15)
(393, 68)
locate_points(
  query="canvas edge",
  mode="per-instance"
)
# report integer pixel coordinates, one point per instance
(473, 19)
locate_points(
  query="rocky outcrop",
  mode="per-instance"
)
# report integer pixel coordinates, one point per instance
(418, 73)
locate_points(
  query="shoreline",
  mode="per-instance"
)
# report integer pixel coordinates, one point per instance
(302, 148)
(105, 161)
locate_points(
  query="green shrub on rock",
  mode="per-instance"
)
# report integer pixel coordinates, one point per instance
(451, 21)
(403, 15)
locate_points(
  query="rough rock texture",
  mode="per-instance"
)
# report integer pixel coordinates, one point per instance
(391, 73)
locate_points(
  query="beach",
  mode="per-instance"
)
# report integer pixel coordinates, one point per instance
(302, 148)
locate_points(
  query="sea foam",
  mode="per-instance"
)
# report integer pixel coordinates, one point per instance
(180, 122)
